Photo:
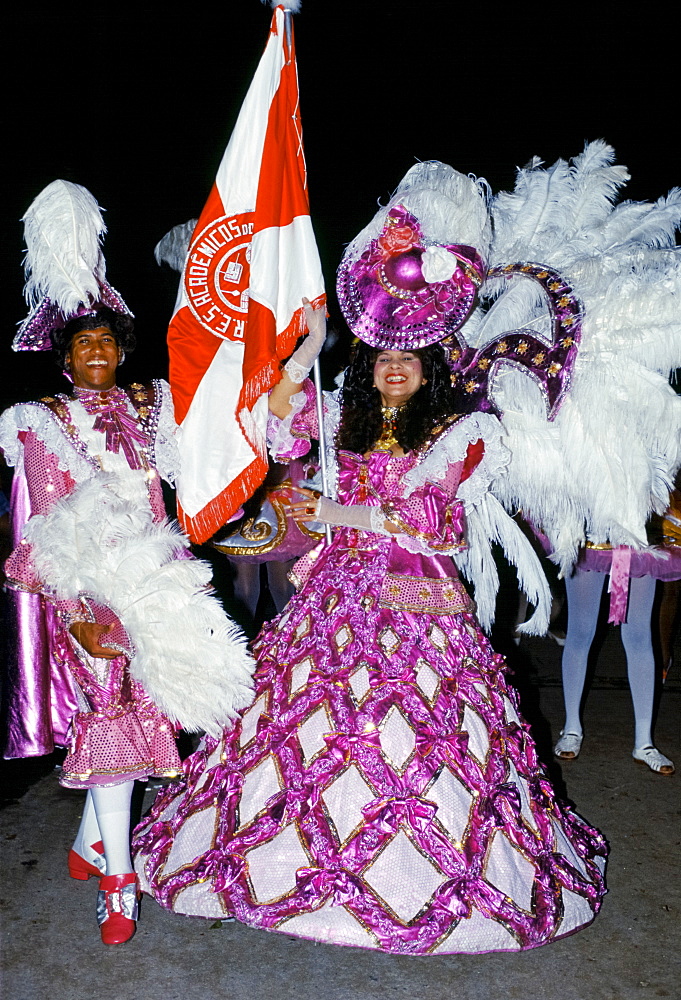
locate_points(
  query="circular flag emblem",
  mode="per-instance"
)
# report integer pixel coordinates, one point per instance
(217, 275)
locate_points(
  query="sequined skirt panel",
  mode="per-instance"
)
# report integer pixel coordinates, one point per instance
(118, 734)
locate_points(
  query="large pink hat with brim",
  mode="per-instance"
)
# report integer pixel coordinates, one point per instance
(406, 281)
(64, 264)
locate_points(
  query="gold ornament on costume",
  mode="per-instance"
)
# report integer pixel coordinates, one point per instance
(387, 440)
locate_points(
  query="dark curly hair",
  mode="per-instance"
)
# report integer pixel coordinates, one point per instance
(120, 324)
(361, 417)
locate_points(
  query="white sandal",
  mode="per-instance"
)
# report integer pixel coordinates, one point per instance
(568, 746)
(655, 760)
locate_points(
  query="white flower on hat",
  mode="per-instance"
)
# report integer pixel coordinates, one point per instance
(438, 264)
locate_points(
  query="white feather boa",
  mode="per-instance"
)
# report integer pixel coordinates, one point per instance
(101, 542)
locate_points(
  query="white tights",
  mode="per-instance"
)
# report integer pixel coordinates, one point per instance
(106, 817)
(584, 591)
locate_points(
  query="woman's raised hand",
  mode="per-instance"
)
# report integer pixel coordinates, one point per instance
(301, 361)
(316, 324)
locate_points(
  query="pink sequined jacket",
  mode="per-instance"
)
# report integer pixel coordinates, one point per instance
(51, 458)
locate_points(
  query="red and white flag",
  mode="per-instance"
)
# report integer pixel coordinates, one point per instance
(251, 260)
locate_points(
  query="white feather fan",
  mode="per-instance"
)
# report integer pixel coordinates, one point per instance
(608, 458)
(190, 657)
(450, 207)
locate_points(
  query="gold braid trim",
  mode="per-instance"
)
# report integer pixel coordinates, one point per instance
(390, 513)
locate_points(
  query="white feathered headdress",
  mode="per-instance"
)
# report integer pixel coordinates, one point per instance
(64, 264)
(607, 459)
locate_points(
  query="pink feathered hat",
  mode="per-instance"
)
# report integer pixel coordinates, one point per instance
(402, 293)
(411, 277)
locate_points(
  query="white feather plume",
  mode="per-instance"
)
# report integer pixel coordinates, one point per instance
(190, 657)
(608, 459)
(292, 5)
(450, 207)
(488, 522)
(62, 229)
(172, 248)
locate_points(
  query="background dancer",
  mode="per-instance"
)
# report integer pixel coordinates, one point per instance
(584, 590)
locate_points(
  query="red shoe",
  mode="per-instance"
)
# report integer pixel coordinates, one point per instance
(117, 907)
(81, 869)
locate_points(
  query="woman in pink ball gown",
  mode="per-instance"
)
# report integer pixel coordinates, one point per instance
(382, 790)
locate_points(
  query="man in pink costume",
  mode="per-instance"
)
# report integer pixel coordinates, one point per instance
(114, 617)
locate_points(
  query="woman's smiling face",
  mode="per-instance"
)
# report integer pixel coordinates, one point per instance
(397, 376)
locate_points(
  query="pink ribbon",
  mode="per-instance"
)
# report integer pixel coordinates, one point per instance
(314, 884)
(457, 894)
(541, 791)
(121, 429)
(343, 744)
(224, 784)
(272, 736)
(588, 841)
(435, 504)
(348, 477)
(155, 838)
(453, 745)
(619, 585)
(387, 813)
(453, 897)
(223, 869)
(292, 803)
(503, 805)
(114, 419)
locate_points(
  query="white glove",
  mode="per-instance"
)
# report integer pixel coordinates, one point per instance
(351, 516)
(301, 361)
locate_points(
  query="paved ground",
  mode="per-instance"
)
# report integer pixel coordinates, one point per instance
(631, 952)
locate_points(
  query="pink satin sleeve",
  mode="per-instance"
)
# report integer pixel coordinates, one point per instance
(433, 513)
(40, 697)
(292, 435)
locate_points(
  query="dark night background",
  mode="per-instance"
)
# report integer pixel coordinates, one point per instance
(138, 107)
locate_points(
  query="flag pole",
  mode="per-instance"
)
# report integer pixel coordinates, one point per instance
(316, 375)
